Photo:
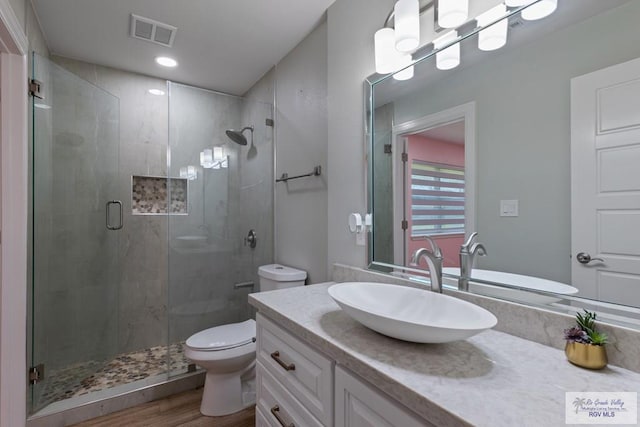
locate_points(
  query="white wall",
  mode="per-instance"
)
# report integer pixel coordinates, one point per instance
(301, 144)
(13, 217)
(351, 25)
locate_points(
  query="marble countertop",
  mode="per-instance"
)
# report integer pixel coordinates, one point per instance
(491, 379)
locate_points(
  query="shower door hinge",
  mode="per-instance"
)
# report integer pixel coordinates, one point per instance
(36, 374)
(405, 224)
(35, 89)
(405, 157)
(268, 122)
(387, 148)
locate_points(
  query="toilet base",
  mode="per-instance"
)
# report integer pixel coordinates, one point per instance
(223, 393)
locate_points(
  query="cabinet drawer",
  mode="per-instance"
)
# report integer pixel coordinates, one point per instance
(262, 420)
(302, 370)
(275, 402)
(358, 404)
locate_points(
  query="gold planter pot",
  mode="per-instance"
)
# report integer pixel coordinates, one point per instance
(586, 355)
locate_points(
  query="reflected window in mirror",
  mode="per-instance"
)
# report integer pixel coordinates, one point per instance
(436, 183)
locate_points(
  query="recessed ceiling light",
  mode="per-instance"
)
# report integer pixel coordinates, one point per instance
(165, 61)
(156, 92)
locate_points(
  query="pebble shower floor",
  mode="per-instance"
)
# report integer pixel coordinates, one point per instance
(87, 377)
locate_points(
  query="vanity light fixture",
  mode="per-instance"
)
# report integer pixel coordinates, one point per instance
(495, 36)
(452, 13)
(540, 10)
(213, 158)
(189, 172)
(393, 46)
(407, 25)
(450, 57)
(156, 92)
(206, 158)
(165, 61)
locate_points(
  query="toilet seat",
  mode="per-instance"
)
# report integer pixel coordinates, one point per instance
(224, 337)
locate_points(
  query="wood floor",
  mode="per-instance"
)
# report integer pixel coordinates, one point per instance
(178, 410)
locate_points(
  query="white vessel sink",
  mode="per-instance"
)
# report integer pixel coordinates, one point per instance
(521, 281)
(411, 314)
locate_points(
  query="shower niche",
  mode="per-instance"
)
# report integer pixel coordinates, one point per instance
(154, 195)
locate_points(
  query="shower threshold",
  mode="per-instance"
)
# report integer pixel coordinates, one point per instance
(94, 381)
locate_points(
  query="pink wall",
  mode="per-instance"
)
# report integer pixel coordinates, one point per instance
(436, 151)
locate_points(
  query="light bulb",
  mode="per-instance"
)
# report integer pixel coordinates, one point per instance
(385, 50)
(206, 158)
(407, 25)
(452, 13)
(495, 36)
(450, 57)
(218, 153)
(192, 173)
(165, 61)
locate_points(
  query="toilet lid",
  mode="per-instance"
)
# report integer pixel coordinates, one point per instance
(224, 337)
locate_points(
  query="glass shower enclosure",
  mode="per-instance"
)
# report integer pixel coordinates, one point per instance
(129, 260)
(75, 231)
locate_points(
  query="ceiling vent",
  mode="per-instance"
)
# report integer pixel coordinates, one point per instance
(152, 31)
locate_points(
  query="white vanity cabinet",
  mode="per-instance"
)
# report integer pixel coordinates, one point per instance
(294, 382)
(297, 386)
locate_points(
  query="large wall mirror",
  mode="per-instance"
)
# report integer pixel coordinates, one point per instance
(535, 146)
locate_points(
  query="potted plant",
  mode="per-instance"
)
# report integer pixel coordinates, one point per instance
(586, 346)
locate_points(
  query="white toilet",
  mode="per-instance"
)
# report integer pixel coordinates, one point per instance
(228, 352)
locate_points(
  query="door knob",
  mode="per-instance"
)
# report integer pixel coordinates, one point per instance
(585, 258)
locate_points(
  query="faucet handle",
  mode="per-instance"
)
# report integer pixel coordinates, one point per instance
(465, 246)
(434, 247)
(478, 248)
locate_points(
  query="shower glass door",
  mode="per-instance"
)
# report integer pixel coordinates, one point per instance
(76, 222)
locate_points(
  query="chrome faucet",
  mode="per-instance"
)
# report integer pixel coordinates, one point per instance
(468, 252)
(434, 261)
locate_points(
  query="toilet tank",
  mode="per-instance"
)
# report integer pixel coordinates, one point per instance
(276, 276)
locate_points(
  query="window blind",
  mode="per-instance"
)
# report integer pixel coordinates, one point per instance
(437, 199)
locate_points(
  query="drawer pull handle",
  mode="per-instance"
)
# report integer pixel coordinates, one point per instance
(276, 413)
(276, 356)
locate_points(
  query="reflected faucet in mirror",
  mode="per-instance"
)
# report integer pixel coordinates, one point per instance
(434, 262)
(468, 252)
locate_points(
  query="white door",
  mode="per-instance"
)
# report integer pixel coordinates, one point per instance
(605, 183)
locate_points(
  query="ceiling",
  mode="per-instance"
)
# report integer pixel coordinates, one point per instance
(452, 133)
(224, 45)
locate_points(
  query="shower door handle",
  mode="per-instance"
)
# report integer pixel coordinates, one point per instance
(108, 206)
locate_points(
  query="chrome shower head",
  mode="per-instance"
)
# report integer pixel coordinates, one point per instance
(237, 136)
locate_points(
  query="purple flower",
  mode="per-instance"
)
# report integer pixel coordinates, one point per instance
(576, 334)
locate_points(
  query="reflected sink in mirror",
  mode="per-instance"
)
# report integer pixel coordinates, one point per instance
(411, 314)
(528, 284)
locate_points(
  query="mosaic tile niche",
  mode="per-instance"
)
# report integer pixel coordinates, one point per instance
(149, 195)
